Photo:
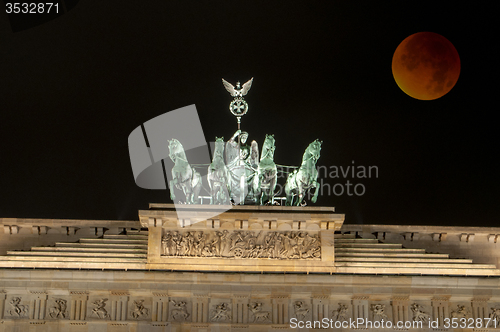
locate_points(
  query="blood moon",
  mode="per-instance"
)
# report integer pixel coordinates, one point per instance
(426, 66)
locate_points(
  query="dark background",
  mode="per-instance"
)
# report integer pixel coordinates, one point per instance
(73, 88)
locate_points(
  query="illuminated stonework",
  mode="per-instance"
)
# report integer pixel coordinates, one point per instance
(250, 268)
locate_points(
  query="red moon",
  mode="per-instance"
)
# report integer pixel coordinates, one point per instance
(426, 66)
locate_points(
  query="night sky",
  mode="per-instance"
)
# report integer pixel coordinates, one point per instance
(74, 88)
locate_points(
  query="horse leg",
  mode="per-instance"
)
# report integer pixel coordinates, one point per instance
(224, 194)
(210, 184)
(315, 197)
(171, 187)
(212, 193)
(188, 193)
(196, 193)
(301, 191)
(288, 193)
(272, 188)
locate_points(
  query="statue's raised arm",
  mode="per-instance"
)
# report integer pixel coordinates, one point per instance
(232, 148)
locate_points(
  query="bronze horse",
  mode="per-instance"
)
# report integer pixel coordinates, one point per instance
(184, 176)
(305, 178)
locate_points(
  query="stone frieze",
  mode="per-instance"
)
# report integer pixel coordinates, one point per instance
(242, 244)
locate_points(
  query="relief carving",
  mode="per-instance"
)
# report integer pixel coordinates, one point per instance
(419, 315)
(180, 311)
(301, 310)
(59, 310)
(139, 311)
(461, 312)
(378, 311)
(221, 313)
(99, 310)
(495, 314)
(340, 314)
(242, 244)
(18, 309)
(258, 314)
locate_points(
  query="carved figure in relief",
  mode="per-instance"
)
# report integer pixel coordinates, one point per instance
(221, 313)
(139, 311)
(59, 310)
(239, 244)
(99, 310)
(180, 311)
(300, 310)
(495, 314)
(177, 238)
(419, 315)
(18, 309)
(258, 314)
(379, 311)
(461, 312)
(185, 244)
(340, 314)
(165, 242)
(224, 238)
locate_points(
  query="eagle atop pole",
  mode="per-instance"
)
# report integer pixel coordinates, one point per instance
(238, 106)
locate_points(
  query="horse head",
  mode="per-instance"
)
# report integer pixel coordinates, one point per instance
(175, 149)
(219, 147)
(314, 149)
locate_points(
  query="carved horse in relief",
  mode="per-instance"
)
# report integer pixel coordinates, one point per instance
(265, 181)
(218, 175)
(305, 178)
(258, 314)
(139, 310)
(99, 310)
(19, 310)
(300, 310)
(184, 176)
(179, 312)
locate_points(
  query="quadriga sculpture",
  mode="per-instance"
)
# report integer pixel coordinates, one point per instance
(184, 176)
(265, 181)
(305, 178)
(218, 175)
